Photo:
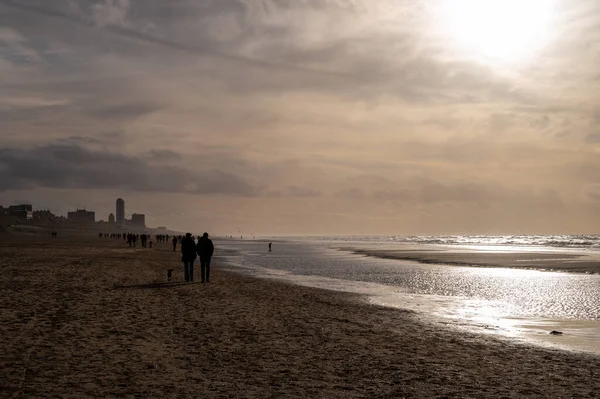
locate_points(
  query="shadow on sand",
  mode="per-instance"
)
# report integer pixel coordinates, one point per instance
(153, 285)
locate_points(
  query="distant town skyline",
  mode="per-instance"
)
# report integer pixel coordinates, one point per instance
(26, 210)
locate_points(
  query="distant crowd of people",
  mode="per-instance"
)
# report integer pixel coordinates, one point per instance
(133, 238)
(191, 248)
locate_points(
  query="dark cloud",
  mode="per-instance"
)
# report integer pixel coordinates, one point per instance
(79, 140)
(162, 155)
(114, 15)
(72, 166)
(124, 111)
(100, 140)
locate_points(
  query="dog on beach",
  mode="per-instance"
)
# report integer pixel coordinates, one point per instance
(169, 274)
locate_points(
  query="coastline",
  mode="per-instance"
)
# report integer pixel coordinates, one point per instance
(91, 317)
(529, 259)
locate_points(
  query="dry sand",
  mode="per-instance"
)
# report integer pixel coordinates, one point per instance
(92, 318)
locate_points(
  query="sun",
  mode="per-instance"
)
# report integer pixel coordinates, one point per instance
(498, 29)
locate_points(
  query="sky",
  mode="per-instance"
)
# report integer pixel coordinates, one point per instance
(306, 117)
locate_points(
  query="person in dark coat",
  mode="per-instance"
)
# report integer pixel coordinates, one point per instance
(174, 244)
(188, 256)
(205, 250)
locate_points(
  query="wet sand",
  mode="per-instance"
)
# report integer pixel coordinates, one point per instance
(92, 318)
(519, 259)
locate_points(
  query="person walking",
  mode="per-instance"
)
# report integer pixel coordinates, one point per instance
(205, 250)
(174, 244)
(188, 256)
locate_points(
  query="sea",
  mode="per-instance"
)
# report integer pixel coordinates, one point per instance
(517, 304)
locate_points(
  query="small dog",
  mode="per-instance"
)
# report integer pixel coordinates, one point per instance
(169, 274)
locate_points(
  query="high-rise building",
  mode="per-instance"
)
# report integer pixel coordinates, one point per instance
(111, 218)
(138, 220)
(120, 212)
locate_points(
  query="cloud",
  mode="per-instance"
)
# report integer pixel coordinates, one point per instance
(593, 138)
(426, 193)
(351, 194)
(123, 111)
(393, 195)
(162, 155)
(351, 107)
(593, 192)
(295, 191)
(111, 12)
(458, 192)
(71, 166)
(79, 141)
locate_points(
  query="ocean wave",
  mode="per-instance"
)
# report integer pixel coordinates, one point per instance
(557, 241)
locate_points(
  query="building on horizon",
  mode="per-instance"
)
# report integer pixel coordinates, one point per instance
(44, 215)
(24, 211)
(111, 218)
(138, 220)
(120, 212)
(81, 216)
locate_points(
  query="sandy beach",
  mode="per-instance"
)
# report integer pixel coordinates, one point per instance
(92, 318)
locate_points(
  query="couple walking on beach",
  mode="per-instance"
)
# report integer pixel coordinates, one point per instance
(189, 249)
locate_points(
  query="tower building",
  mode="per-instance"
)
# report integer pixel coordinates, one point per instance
(120, 212)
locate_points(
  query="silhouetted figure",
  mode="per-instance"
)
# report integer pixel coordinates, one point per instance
(205, 249)
(188, 256)
(134, 239)
(270, 247)
(174, 244)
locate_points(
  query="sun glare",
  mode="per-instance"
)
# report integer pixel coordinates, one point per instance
(500, 29)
